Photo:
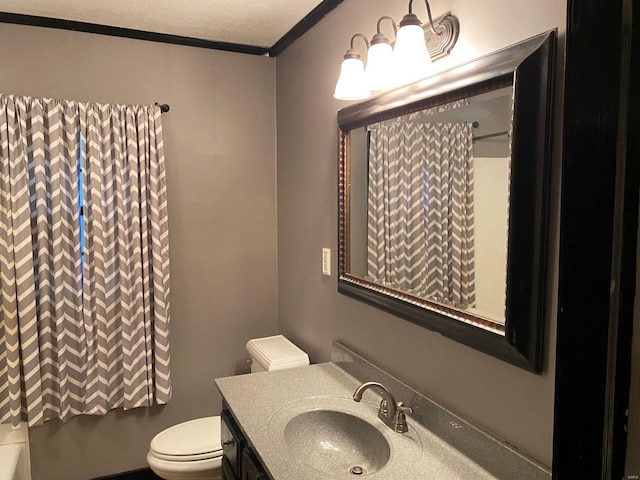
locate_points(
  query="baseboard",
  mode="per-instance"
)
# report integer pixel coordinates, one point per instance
(142, 474)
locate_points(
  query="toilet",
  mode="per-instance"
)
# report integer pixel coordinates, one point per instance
(189, 450)
(192, 450)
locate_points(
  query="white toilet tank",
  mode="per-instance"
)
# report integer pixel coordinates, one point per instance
(275, 353)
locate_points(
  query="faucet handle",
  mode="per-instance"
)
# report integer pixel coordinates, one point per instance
(400, 420)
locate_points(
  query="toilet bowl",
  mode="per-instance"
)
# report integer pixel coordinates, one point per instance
(192, 450)
(189, 450)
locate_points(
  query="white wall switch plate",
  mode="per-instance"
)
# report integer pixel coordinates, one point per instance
(326, 262)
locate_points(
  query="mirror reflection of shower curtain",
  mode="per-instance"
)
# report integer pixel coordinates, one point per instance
(420, 210)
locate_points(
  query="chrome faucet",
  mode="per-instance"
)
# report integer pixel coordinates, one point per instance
(392, 413)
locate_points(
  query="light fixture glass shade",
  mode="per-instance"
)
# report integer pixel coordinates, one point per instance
(379, 71)
(351, 83)
(411, 59)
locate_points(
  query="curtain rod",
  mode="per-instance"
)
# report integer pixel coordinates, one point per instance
(164, 108)
(491, 135)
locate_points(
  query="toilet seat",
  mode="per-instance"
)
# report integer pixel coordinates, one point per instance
(190, 441)
(209, 469)
(185, 458)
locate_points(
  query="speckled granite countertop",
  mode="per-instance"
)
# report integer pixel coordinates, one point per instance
(439, 445)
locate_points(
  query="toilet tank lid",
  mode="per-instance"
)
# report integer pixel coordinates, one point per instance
(276, 353)
(189, 438)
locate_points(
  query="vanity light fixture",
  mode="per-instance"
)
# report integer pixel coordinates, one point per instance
(406, 62)
(352, 83)
(411, 59)
(379, 74)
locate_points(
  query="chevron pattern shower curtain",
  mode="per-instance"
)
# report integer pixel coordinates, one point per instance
(81, 331)
(420, 209)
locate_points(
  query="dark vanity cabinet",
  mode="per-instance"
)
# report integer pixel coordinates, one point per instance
(251, 468)
(239, 462)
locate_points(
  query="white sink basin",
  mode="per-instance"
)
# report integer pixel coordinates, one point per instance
(339, 438)
(336, 443)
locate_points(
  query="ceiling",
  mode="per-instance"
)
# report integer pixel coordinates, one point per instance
(257, 23)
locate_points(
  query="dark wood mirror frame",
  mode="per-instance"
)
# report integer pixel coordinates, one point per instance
(529, 66)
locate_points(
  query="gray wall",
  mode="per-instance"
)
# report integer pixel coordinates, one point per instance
(513, 403)
(220, 146)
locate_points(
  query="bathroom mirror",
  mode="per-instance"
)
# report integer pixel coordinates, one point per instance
(443, 200)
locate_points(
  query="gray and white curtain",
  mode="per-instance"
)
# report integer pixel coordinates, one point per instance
(420, 209)
(84, 270)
